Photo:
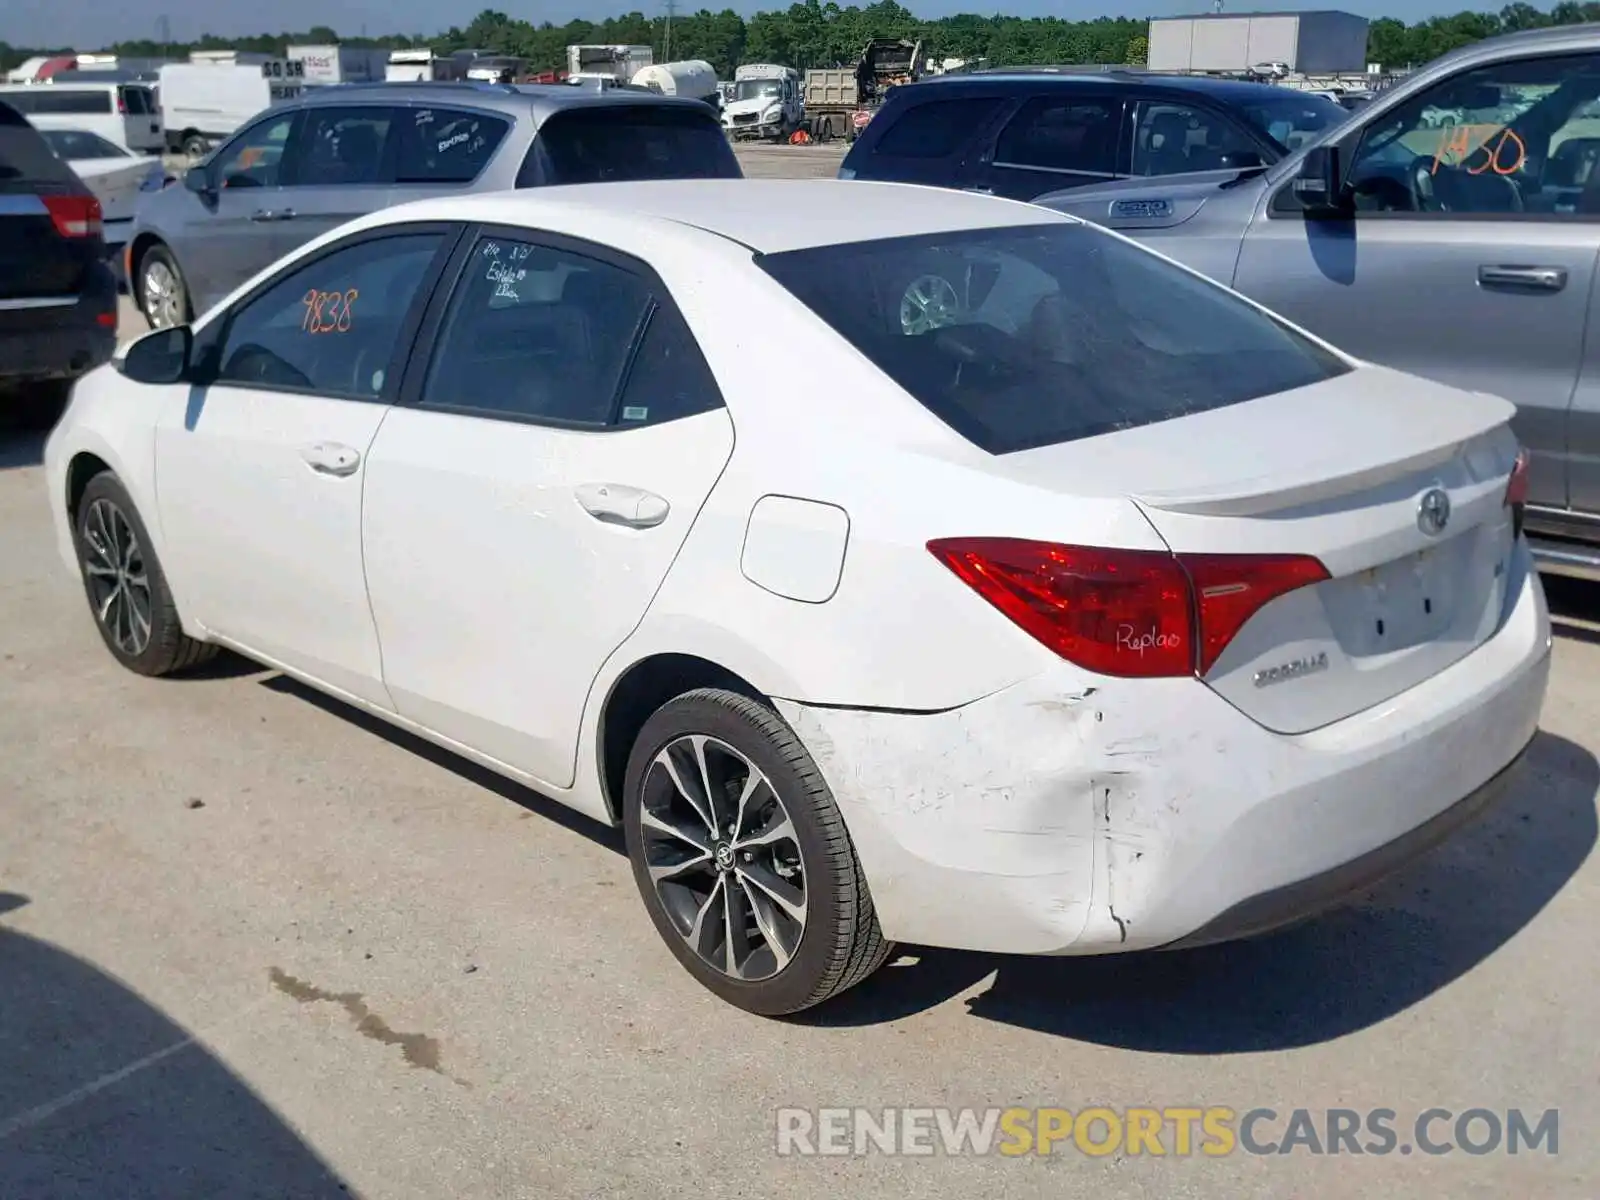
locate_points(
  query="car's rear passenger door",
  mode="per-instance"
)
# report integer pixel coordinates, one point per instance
(1060, 139)
(555, 440)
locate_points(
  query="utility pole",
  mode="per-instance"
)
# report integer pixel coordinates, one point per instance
(164, 33)
(666, 41)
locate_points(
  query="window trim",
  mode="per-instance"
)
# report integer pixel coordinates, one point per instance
(1115, 103)
(1350, 142)
(420, 366)
(211, 340)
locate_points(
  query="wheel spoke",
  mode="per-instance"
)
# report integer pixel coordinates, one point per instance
(670, 872)
(700, 803)
(104, 611)
(752, 783)
(660, 824)
(733, 933)
(784, 894)
(767, 922)
(780, 830)
(706, 919)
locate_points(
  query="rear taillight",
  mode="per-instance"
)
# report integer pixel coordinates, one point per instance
(1129, 613)
(74, 216)
(1517, 492)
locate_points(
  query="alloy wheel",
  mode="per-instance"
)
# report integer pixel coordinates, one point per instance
(163, 296)
(929, 303)
(723, 857)
(119, 585)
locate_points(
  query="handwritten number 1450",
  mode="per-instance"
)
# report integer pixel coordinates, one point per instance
(328, 312)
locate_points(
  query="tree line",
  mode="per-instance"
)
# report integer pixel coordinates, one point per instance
(815, 34)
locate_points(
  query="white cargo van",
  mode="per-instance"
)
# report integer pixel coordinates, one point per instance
(125, 114)
(202, 103)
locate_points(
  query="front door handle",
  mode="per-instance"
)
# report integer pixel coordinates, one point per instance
(619, 504)
(1533, 279)
(330, 458)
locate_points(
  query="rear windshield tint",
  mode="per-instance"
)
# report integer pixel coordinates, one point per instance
(606, 143)
(26, 161)
(1035, 335)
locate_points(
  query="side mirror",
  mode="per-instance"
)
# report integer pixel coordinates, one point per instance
(198, 181)
(1318, 184)
(161, 356)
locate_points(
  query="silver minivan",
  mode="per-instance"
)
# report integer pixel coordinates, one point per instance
(1449, 228)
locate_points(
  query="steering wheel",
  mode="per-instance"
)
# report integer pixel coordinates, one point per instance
(1419, 177)
(930, 302)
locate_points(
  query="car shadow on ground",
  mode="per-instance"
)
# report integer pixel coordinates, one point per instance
(1574, 608)
(1397, 944)
(101, 1095)
(20, 448)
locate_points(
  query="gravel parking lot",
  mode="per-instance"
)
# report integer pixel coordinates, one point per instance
(253, 943)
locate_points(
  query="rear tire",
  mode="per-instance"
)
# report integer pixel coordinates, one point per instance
(788, 853)
(127, 591)
(160, 289)
(195, 146)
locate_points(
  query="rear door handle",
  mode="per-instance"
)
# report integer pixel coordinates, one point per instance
(1533, 279)
(330, 458)
(619, 504)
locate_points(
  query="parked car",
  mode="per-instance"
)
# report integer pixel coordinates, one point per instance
(1449, 230)
(118, 178)
(1023, 134)
(335, 153)
(1050, 599)
(124, 113)
(58, 301)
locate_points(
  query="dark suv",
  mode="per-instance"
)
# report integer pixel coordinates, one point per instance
(336, 153)
(58, 300)
(1025, 133)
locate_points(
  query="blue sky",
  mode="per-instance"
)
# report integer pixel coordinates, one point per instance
(86, 24)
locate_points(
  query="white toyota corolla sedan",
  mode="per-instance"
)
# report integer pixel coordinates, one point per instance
(894, 564)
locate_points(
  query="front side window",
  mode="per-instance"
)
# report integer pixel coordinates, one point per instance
(255, 158)
(1034, 335)
(1513, 137)
(441, 145)
(337, 147)
(332, 325)
(603, 143)
(1074, 135)
(1293, 118)
(1169, 139)
(536, 333)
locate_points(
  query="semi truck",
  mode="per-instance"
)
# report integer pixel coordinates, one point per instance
(766, 103)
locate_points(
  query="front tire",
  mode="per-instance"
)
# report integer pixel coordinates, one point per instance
(161, 290)
(127, 591)
(742, 857)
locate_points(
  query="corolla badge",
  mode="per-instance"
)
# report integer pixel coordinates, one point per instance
(1433, 511)
(1284, 672)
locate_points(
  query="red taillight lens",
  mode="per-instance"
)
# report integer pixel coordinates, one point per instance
(1231, 588)
(1129, 613)
(74, 216)
(1517, 487)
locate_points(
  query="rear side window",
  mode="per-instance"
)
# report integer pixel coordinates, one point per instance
(441, 145)
(937, 129)
(605, 143)
(669, 378)
(1034, 335)
(49, 99)
(1066, 134)
(25, 159)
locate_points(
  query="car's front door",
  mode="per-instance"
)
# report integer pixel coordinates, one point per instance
(260, 470)
(1468, 258)
(340, 166)
(526, 498)
(1054, 141)
(234, 230)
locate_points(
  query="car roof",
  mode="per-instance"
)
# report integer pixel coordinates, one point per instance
(1234, 91)
(513, 98)
(768, 216)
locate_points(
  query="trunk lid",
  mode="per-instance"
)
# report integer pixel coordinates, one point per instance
(1351, 471)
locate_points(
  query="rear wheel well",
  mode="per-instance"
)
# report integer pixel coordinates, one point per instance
(642, 689)
(80, 471)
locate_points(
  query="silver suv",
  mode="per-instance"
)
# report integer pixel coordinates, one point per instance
(334, 153)
(1450, 228)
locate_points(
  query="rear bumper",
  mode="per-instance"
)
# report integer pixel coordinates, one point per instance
(60, 341)
(1073, 814)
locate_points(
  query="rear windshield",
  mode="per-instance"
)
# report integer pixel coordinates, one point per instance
(25, 160)
(1034, 335)
(606, 143)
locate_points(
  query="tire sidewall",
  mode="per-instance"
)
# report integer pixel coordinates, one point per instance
(160, 253)
(793, 987)
(107, 486)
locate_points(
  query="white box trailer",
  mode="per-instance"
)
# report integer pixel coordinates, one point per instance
(423, 66)
(340, 64)
(203, 103)
(1308, 43)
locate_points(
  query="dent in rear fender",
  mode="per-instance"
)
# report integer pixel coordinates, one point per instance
(1013, 824)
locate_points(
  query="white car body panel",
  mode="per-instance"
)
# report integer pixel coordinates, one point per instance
(117, 183)
(999, 797)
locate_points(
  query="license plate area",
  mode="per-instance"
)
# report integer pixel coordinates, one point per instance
(1399, 604)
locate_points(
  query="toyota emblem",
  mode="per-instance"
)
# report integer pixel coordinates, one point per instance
(1433, 511)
